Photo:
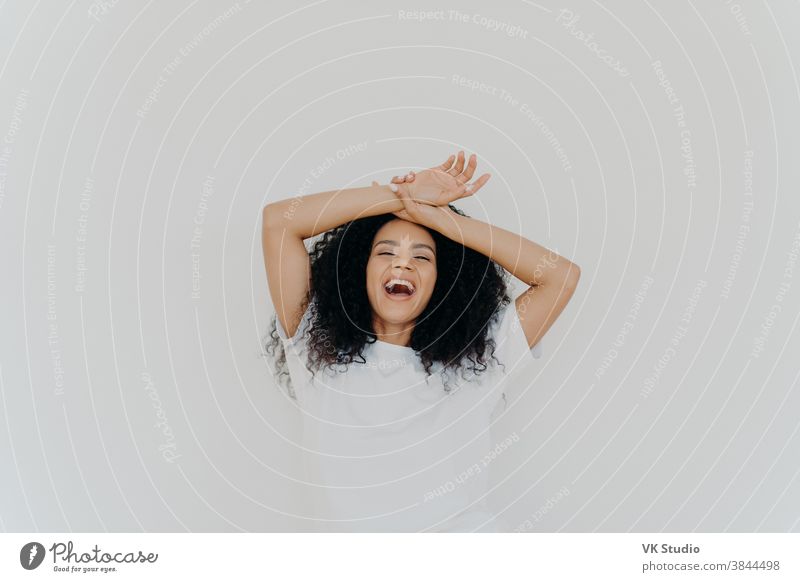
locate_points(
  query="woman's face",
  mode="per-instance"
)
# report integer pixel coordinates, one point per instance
(401, 271)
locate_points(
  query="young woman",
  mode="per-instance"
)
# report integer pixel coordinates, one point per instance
(397, 339)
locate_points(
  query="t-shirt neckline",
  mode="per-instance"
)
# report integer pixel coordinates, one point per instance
(395, 347)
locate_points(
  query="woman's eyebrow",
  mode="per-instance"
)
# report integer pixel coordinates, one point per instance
(395, 243)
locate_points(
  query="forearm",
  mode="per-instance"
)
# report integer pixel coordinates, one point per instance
(312, 214)
(527, 261)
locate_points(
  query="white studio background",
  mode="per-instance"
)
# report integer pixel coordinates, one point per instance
(653, 143)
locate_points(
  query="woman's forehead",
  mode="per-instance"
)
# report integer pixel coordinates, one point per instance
(404, 232)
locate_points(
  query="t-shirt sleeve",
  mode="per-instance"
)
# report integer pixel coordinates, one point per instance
(511, 345)
(296, 352)
(513, 352)
(305, 321)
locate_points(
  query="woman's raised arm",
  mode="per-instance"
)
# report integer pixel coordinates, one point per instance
(287, 223)
(551, 277)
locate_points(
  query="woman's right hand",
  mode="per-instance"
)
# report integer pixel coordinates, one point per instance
(441, 185)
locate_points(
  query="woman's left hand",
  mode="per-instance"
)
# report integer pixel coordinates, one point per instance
(434, 217)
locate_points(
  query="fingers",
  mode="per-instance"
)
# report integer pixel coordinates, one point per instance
(478, 184)
(394, 189)
(473, 163)
(408, 204)
(404, 179)
(459, 167)
(445, 166)
(469, 189)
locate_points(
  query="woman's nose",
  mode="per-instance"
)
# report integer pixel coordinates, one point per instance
(401, 262)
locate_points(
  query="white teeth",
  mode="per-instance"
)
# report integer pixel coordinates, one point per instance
(408, 284)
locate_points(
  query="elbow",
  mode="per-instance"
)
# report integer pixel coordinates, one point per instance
(274, 215)
(566, 277)
(573, 275)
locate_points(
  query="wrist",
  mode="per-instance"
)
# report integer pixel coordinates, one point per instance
(449, 224)
(390, 203)
(401, 190)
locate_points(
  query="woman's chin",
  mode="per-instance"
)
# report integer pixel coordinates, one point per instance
(397, 311)
(396, 316)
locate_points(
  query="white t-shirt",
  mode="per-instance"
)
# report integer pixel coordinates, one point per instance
(388, 451)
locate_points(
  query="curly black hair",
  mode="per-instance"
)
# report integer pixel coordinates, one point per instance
(453, 329)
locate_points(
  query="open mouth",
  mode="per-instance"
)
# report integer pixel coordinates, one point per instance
(399, 289)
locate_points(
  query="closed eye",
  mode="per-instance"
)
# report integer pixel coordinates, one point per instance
(417, 257)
